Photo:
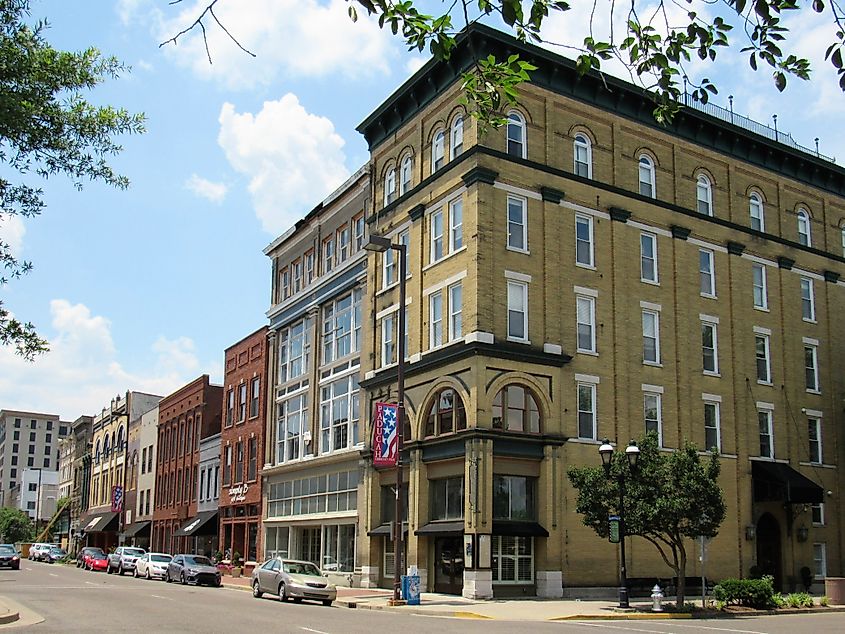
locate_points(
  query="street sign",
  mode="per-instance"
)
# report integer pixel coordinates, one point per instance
(613, 521)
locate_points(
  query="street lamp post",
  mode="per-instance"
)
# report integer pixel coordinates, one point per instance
(380, 244)
(632, 453)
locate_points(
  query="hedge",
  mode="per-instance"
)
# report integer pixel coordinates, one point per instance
(754, 593)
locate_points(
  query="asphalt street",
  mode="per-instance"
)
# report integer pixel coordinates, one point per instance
(71, 600)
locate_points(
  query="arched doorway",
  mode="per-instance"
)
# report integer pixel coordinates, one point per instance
(768, 548)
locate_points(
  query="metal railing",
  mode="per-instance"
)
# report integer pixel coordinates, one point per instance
(754, 126)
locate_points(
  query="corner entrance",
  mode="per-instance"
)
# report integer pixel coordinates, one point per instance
(448, 564)
(769, 549)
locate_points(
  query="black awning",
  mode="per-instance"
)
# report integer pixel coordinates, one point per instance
(195, 525)
(777, 481)
(383, 530)
(519, 529)
(138, 528)
(99, 523)
(441, 528)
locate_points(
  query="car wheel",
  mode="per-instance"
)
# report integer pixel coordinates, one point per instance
(327, 603)
(218, 583)
(256, 589)
(120, 570)
(147, 576)
(135, 573)
(167, 576)
(182, 578)
(283, 593)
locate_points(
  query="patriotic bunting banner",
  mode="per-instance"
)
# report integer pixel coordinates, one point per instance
(385, 436)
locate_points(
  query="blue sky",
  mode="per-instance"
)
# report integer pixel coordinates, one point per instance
(144, 289)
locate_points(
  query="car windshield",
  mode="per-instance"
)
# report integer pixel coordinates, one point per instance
(197, 560)
(57, 551)
(133, 552)
(161, 558)
(7, 549)
(96, 553)
(300, 568)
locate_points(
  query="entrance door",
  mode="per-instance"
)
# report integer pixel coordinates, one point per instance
(768, 548)
(448, 564)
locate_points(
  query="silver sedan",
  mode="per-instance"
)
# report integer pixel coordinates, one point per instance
(291, 579)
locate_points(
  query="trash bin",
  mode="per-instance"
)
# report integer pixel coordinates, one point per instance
(411, 589)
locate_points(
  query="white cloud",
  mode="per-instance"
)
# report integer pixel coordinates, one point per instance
(204, 188)
(144, 65)
(415, 63)
(82, 371)
(12, 231)
(297, 37)
(293, 158)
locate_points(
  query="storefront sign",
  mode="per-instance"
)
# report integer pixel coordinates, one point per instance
(385, 436)
(238, 493)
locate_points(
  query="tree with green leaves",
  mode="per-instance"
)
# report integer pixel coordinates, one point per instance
(671, 498)
(46, 128)
(655, 42)
(15, 526)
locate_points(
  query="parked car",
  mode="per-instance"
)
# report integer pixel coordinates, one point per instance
(54, 555)
(96, 559)
(123, 559)
(192, 569)
(80, 556)
(292, 579)
(10, 557)
(152, 565)
(39, 549)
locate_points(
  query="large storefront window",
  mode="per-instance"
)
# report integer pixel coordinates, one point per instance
(338, 548)
(277, 539)
(513, 559)
(447, 499)
(318, 494)
(513, 498)
(339, 414)
(292, 417)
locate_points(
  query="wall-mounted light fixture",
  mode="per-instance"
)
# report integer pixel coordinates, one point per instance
(750, 532)
(803, 533)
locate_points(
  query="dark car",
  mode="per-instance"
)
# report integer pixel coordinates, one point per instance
(195, 569)
(54, 555)
(9, 557)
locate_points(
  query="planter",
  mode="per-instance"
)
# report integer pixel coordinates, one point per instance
(236, 571)
(834, 588)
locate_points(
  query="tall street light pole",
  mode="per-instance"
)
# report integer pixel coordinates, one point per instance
(381, 244)
(632, 453)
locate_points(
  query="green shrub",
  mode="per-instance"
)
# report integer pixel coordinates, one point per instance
(799, 600)
(754, 593)
(824, 601)
(778, 600)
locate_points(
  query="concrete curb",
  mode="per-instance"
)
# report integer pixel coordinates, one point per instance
(634, 616)
(10, 617)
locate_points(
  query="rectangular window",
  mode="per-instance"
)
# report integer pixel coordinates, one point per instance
(512, 559)
(651, 336)
(342, 327)
(808, 300)
(390, 267)
(325, 493)
(709, 348)
(297, 276)
(820, 561)
(517, 224)
(239, 463)
(388, 339)
(252, 460)
(284, 284)
(339, 414)
(446, 499)
(202, 487)
(586, 323)
(814, 432)
(514, 498)
(242, 402)
(707, 272)
(764, 422)
(255, 397)
(292, 416)
(648, 257)
(309, 267)
(435, 317)
(712, 433)
(358, 231)
(811, 368)
(584, 240)
(143, 460)
(587, 411)
(227, 465)
(456, 225)
(818, 514)
(456, 306)
(230, 407)
(328, 255)
(293, 351)
(653, 415)
(517, 311)
(436, 228)
(344, 244)
(761, 352)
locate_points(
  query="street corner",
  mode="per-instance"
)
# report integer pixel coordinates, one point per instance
(13, 614)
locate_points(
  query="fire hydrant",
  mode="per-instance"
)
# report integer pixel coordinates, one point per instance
(656, 599)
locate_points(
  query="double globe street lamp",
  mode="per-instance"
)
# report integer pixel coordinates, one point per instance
(632, 453)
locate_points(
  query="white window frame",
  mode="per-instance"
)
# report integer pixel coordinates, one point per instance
(582, 146)
(819, 560)
(518, 291)
(516, 122)
(758, 337)
(646, 173)
(456, 229)
(814, 356)
(435, 320)
(585, 221)
(285, 441)
(390, 186)
(759, 281)
(820, 508)
(765, 423)
(389, 339)
(456, 138)
(436, 240)
(648, 238)
(815, 422)
(456, 302)
(717, 421)
(842, 239)
(707, 272)
(808, 300)
(582, 302)
(654, 317)
(332, 314)
(704, 195)
(438, 150)
(591, 389)
(517, 230)
(406, 169)
(713, 327)
(757, 212)
(805, 236)
(348, 399)
(657, 398)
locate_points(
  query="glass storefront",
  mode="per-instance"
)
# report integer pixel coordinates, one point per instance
(330, 546)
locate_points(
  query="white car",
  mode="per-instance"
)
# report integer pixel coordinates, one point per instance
(152, 565)
(39, 550)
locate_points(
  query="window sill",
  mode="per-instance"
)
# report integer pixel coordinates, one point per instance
(766, 383)
(392, 285)
(589, 353)
(527, 342)
(444, 258)
(585, 441)
(820, 465)
(716, 374)
(517, 250)
(708, 296)
(650, 282)
(589, 267)
(653, 364)
(809, 321)
(762, 309)
(809, 391)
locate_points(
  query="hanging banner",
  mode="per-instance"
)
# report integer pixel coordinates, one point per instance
(116, 499)
(385, 435)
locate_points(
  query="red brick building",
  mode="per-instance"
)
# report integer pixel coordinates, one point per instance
(242, 446)
(185, 417)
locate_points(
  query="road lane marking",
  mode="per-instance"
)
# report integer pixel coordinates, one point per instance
(91, 583)
(52, 575)
(620, 627)
(308, 629)
(720, 629)
(161, 597)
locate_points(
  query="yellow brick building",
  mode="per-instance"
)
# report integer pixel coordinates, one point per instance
(584, 273)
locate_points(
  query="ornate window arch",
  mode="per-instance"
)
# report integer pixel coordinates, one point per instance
(406, 171)
(583, 155)
(118, 445)
(446, 413)
(97, 452)
(106, 447)
(756, 211)
(438, 150)
(517, 139)
(804, 229)
(704, 195)
(456, 137)
(390, 186)
(516, 408)
(648, 186)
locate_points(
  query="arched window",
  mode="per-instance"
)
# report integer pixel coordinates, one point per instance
(447, 414)
(704, 195)
(842, 231)
(405, 175)
(583, 156)
(515, 409)
(438, 150)
(755, 208)
(119, 444)
(97, 452)
(390, 186)
(647, 185)
(457, 137)
(804, 236)
(516, 135)
(106, 447)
